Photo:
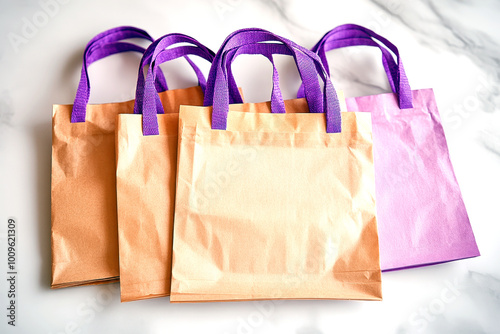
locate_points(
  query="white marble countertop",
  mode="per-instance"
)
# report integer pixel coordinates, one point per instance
(449, 45)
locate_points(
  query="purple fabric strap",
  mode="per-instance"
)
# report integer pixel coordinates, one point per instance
(147, 59)
(396, 74)
(164, 56)
(255, 35)
(308, 76)
(267, 50)
(307, 63)
(148, 102)
(351, 38)
(260, 48)
(103, 45)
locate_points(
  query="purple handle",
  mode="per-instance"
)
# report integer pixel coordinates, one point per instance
(255, 35)
(307, 63)
(103, 45)
(164, 42)
(148, 102)
(109, 49)
(352, 38)
(219, 117)
(261, 48)
(161, 57)
(390, 66)
(259, 35)
(397, 78)
(267, 50)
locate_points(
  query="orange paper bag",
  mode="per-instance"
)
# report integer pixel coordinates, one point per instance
(83, 193)
(146, 147)
(274, 205)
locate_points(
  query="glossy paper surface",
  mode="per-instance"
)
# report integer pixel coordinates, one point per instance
(421, 214)
(145, 174)
(274, 207)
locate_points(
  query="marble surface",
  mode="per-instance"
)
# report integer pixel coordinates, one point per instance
(452, 46)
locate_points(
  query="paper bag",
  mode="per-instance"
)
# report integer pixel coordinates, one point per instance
(421, 213)
(146, 159)
(83, 198)
(274, 206)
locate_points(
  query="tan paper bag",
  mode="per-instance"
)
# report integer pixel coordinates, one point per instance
(146, 161)
(274, 208)
(83, 198)
(145, 183)
(274, 205)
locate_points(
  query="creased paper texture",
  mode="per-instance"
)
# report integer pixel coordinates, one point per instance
(146, 170)
(83, 192)
(83, 196)
(274, 207)
(420, 210)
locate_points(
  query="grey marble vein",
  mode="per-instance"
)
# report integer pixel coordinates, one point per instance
(490, 138)
(433, 24)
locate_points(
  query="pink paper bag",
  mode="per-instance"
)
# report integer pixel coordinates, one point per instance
(420, 211)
